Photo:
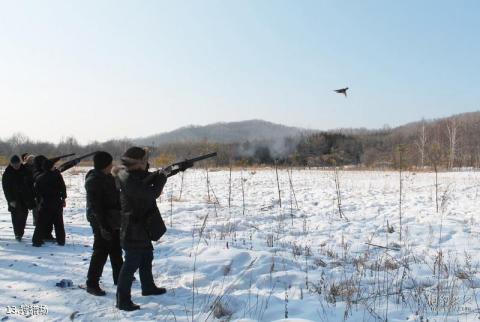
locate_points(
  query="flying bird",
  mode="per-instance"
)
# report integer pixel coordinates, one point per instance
(342, 91)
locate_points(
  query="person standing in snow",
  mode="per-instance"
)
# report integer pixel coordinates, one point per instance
(19, 194)
(37, 171)
(51, 193)
(103, 213)
(139, 190)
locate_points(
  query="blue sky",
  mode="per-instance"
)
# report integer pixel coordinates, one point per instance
(105, 69)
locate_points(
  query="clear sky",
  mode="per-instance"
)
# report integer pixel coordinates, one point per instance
(104, 69)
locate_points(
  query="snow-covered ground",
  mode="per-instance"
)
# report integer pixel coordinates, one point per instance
(263, 262)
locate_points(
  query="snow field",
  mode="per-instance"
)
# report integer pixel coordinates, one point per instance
(256, 261)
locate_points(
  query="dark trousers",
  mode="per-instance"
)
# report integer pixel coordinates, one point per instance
(19, 219)
(135, 259)
(102, 249)
(35, 215)
(49, 229)
(48, 216)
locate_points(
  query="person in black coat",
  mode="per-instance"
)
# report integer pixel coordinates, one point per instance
(103, 213)
(19, 194)
(37, 170)
(51, 193)
(139, 190)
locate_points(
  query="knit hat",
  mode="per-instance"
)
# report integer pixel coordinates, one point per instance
(47, 165)
(15, 159)
(101, 160)
(134, 155)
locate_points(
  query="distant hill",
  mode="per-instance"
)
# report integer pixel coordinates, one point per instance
(251, 130)
(452, 142)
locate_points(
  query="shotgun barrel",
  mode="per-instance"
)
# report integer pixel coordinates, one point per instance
(60, 157)
(174, 168)
(71, 163)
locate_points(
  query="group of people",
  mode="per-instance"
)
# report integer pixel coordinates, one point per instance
(33, 183)
(121, 209)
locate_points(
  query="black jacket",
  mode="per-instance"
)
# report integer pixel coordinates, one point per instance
(50, 189)
(138, 202)
(30, 169)
(36, 173)
(103, 200)
(17, 186)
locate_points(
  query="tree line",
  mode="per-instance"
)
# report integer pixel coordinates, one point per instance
(447, 143)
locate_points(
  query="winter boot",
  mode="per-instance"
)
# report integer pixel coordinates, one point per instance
(126, 304)
(96, 290)
(154, 291)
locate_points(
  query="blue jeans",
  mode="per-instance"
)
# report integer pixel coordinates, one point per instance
(135, 259)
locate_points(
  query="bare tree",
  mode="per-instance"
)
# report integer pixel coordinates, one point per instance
(401, 151)
(452, 127)
(421, 142)
(68, 144)
(17, 141)
(435, 156)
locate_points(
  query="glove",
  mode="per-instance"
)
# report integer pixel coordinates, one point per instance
(105, 234)
(13, 204)
(185, 165)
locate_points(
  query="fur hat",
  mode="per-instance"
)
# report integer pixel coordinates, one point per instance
(101, 160)
(134, 155)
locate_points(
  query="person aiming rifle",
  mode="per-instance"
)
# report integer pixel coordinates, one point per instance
(141, 221)
(36, 170)
(50, 193)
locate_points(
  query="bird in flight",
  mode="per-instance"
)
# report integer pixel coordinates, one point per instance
(342, 91)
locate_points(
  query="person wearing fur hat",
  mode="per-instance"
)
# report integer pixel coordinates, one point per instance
(18, 193)
(103, 213)
(51, 193)
(139, 190)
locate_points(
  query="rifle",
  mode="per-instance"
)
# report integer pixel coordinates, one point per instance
(56, 159)
(71, 163)
(174, 168)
